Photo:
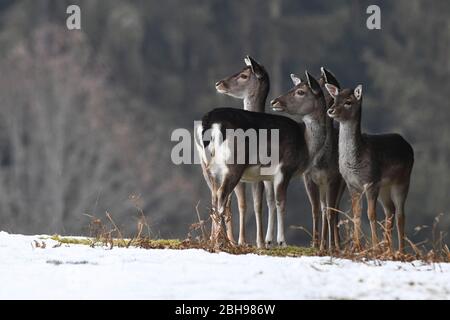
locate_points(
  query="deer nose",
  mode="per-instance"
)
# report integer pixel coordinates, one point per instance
(221, 87)
(277, 105)
(331, 111)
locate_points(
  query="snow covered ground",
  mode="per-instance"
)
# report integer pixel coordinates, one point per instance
(81, 272)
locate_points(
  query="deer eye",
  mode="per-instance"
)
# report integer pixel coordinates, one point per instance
(347, 104)
(243, 76)
(300, 92)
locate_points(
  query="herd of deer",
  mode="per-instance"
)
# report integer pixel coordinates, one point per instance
(329, 157)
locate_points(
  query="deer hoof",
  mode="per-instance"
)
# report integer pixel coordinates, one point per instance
(282, 244)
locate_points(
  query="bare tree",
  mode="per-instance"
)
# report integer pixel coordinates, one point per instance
(61, 153)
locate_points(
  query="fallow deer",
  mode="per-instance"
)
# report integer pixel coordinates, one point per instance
(251, 85)
(295, 150)
(326, 76)
(322, 179)
(223, 175)
(378, 165)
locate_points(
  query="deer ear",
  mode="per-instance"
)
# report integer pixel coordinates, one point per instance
(312, 83)
(296, 80)
(257, 69)
(358, 92)
(332, 90)
(329, 77)
(247, 61)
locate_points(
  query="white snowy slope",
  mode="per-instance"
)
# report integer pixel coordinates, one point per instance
(82, 272)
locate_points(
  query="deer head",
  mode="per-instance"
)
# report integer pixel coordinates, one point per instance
(302, 98)
(347, 103)
(326, 76)
(250, 81)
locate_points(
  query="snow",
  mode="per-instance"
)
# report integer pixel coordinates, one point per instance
(82, 272)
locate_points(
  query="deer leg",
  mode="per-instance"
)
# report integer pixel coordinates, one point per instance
(220, 197)
(257, 191)
(314, 199)
(323, 206)
(335, 233)
(242, 205)
(356, 211)
(213, 211)
(389, 209)
(223, 193)
(210, 182)
(270, 199)
(330, 223)
(399, 194)
(372, 195)
(341, 189)
(332, 196)
(280, 186)
(213, 229)
(214, 226)
(206, 176)
(228, 221)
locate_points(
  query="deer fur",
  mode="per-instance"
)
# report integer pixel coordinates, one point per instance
(224, 176)
(323, 181)
(251, 85)
(378, 166)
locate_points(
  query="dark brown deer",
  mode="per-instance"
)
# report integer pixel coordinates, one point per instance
(224, 173)
(322, 179)
(295, 150)
(326, 76)
(378, 165)
(251, 85)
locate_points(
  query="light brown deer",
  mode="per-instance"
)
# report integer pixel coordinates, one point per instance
(251, 85)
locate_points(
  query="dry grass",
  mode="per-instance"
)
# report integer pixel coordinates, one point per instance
(433, 251)
(105, 232)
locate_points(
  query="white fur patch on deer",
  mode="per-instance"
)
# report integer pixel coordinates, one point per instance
(220, 152)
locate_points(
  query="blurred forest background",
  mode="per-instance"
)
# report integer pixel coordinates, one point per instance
(86, 116)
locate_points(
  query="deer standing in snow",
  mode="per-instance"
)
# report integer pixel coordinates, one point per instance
(378, 165)
(323, 181)
(296, 151)
(251, 85)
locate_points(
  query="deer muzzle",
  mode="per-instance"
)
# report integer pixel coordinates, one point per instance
(277, 105)
(221, 87)
(331, 112)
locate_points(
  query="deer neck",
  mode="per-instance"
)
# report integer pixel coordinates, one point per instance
(256, 101)
(350, 141)
(318, 129)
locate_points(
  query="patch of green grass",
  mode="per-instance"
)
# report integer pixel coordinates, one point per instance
(68, 240)
(159, 243)
(143, 243)
(289, 251)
